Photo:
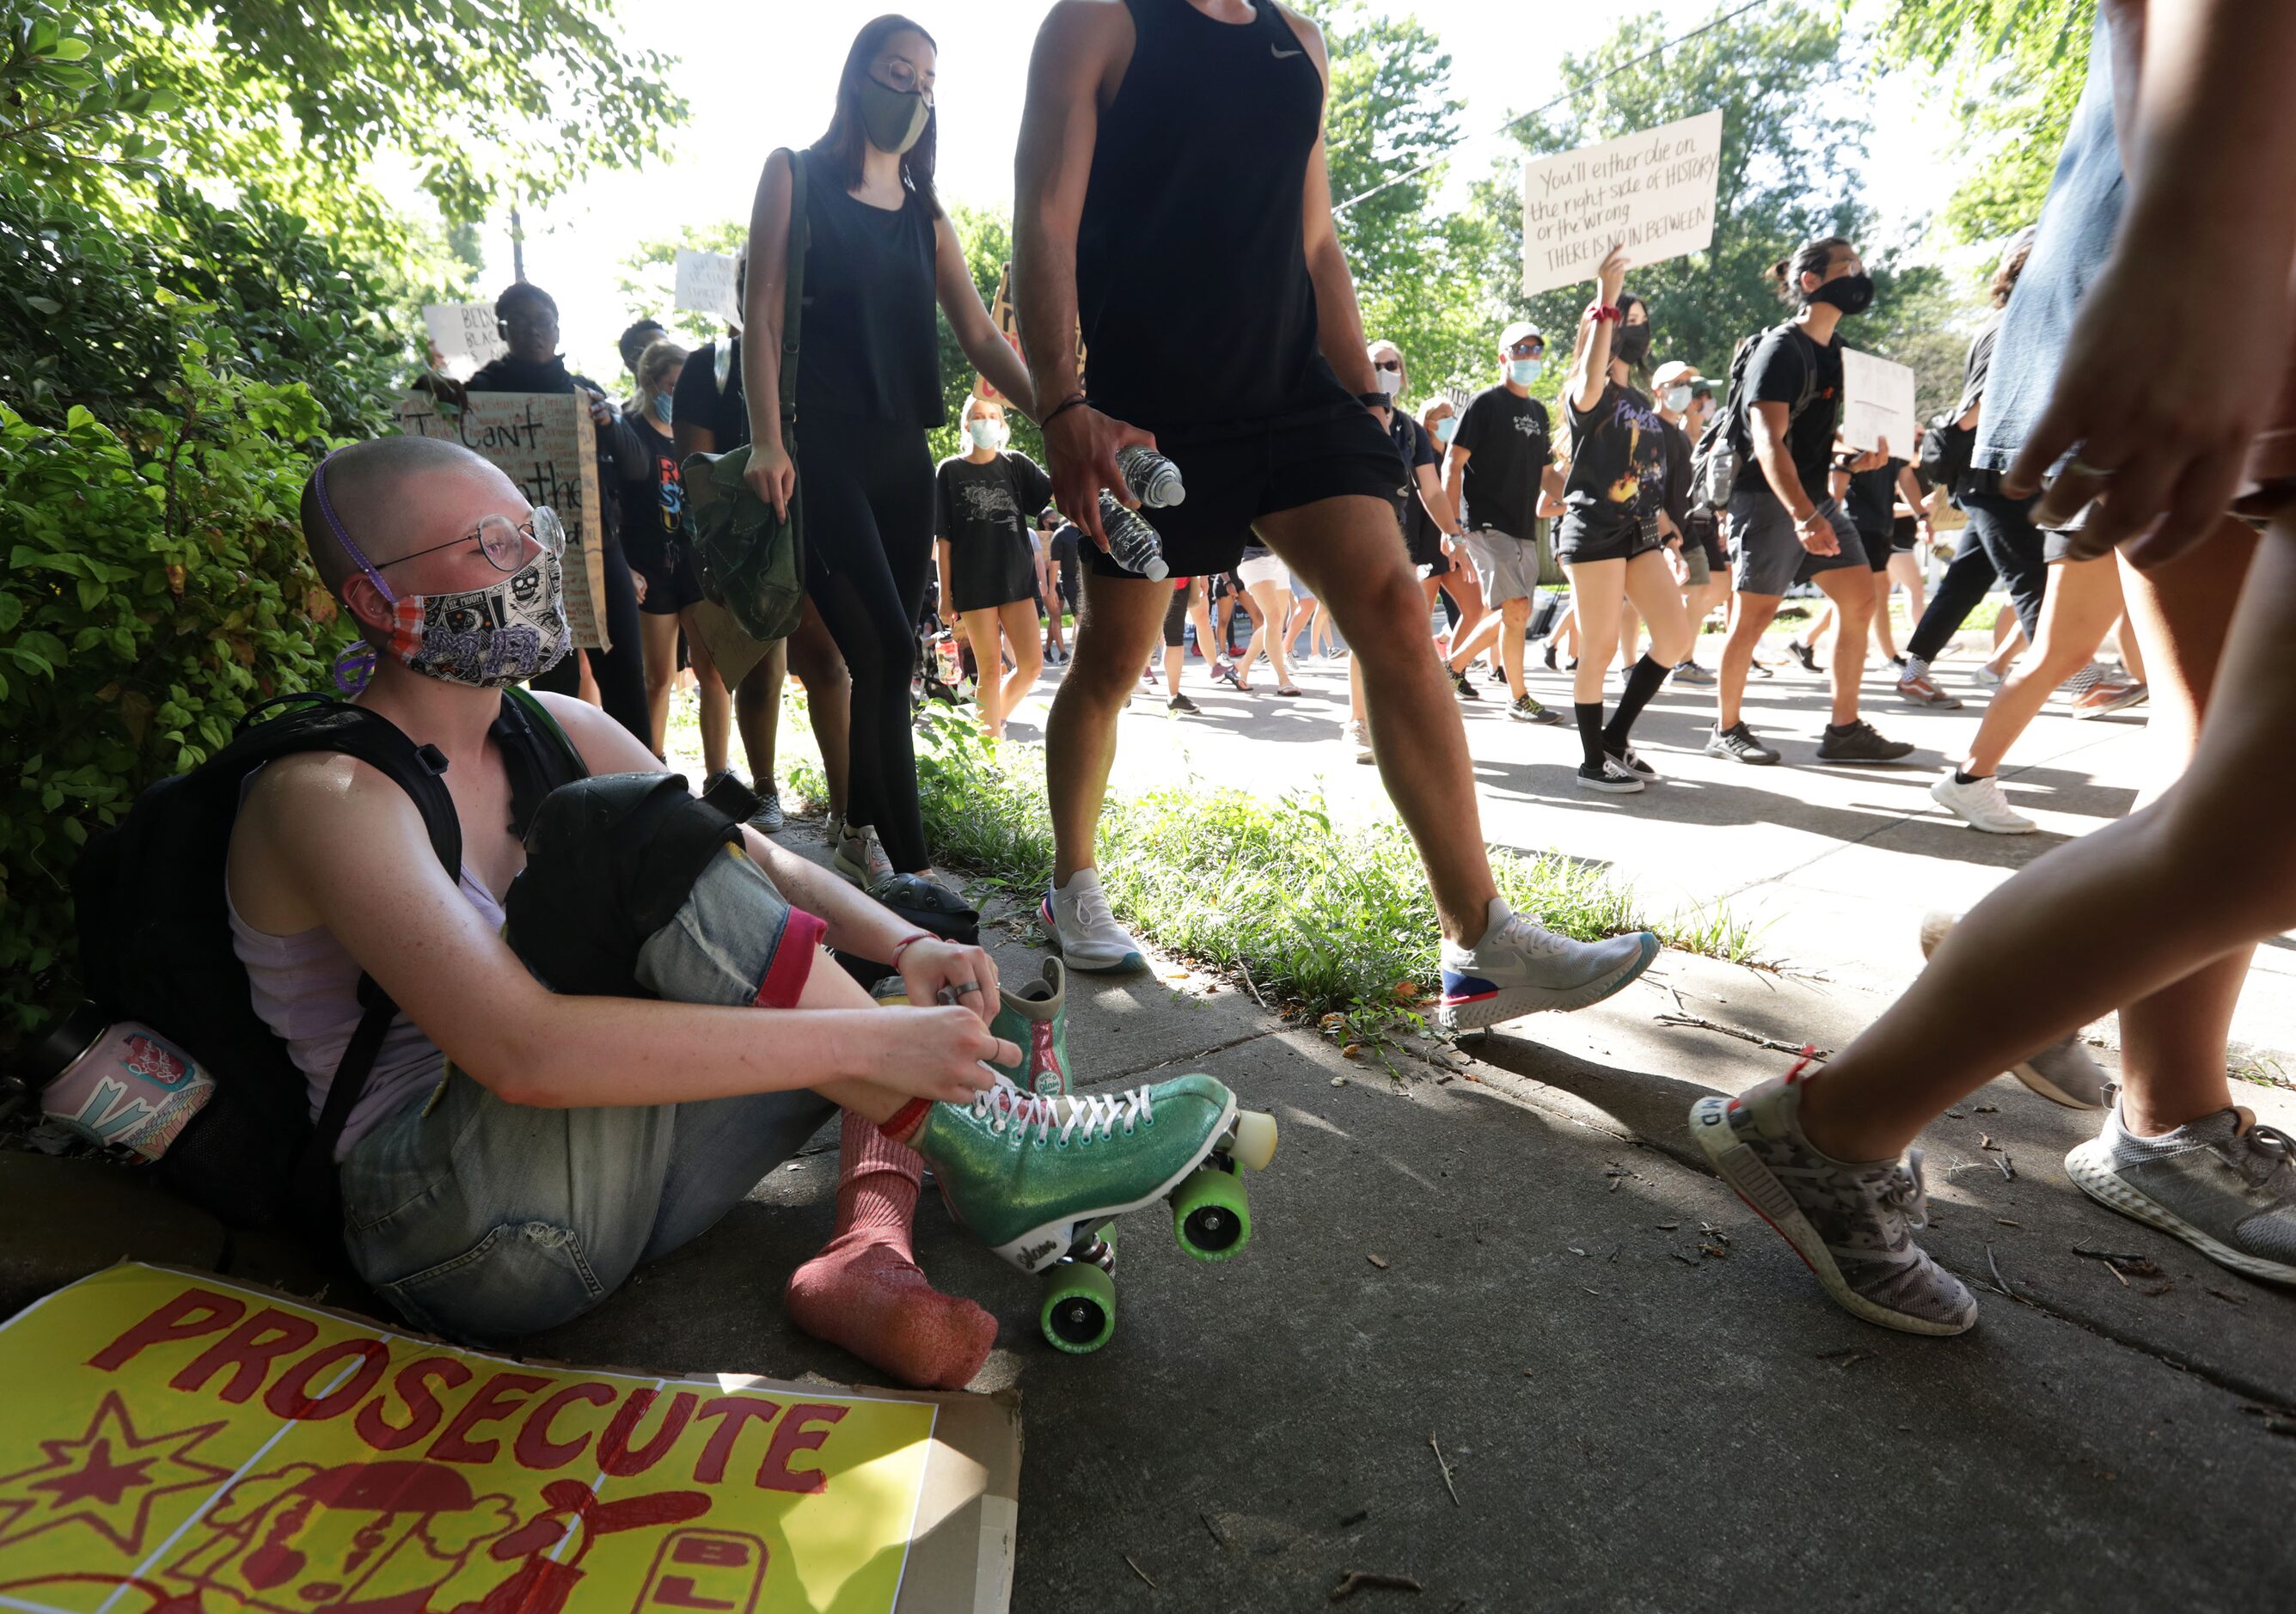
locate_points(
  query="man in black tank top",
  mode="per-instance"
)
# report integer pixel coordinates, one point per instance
(1174, 214)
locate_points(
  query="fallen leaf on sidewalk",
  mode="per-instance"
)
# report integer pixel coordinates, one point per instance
(1378, 1261)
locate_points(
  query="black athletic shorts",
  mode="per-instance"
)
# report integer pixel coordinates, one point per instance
(673, 577)
(1905, 532)
(1257, 469)
(1579, 545)
(1878, 548)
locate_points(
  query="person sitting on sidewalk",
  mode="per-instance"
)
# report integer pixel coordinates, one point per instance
(517, 1152)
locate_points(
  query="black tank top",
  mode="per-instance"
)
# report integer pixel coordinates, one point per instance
(869, 345)
(1192, 275)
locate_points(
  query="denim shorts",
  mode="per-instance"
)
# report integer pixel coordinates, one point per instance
(1771, 558)
(483, 1220)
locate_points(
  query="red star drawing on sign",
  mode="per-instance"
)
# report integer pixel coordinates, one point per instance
(107, 1479)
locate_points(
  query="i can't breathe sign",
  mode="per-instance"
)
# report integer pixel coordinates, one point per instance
(1651, 192)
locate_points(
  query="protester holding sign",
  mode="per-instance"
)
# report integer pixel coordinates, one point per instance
(880, 253)
(529, 325)
(1783, 409)
(1616, 527)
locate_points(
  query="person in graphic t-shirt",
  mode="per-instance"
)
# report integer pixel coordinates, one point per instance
(1616, 527)
(985, 502)
(1502, 460)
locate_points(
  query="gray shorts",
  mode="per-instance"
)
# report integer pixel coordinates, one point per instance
(1771, 558)
(1697, 570)
(1506, 566)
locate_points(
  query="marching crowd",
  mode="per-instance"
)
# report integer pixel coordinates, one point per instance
(516, 1151)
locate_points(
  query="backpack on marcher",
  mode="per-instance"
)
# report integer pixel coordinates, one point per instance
(1726, 446)
(1948, 448)
(156, 946)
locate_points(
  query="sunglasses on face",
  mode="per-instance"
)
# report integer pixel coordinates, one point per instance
(1527, 349)
(1395, 364)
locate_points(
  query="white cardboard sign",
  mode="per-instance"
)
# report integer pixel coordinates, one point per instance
(1877, 403)
(464, 329)
(1653, 191)
(705, 285)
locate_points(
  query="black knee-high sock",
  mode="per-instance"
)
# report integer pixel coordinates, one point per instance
(1641, 683)
(1590, 730)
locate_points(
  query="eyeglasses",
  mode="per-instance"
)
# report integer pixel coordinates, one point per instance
(499, 538)
(901, 74)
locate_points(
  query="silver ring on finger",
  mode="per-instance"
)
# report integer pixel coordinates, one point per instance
(2078, 466)
(965, 986)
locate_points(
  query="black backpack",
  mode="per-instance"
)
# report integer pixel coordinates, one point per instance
(1726, 446)
(156, 946)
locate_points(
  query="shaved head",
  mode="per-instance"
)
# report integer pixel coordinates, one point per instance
(392, 496)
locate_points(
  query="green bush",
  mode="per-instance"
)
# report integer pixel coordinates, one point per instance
(157, 589)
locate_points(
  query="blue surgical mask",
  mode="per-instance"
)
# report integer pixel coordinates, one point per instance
(661, 408)
(985, 431)
(1678, 399)
(1446, 429)
(1522, 371)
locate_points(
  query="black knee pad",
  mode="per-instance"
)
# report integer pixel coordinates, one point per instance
(608, 861)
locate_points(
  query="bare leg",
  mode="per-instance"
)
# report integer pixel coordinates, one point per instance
(2083, 598)
(1122, 619)
(980, 629)
(1881, 584)
(757, 711)
(1514, 621)
(1020, 620)
(1650, 587)
(1906, 569)
(1750, 615)
(1350, 551)
(2023, 969)
(1630, 633)
(1598, 593)
(717, 703)
(658, 639)
(1852, 593)
(814, 656)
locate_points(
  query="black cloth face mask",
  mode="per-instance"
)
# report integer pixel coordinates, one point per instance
(1631, 343)
(1852, 293)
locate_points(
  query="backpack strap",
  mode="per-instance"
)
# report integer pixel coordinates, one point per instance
(800, 240)
(537, 753)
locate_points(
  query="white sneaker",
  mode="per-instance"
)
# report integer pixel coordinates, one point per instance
(860, 857)
(1986, 678)
(1521, 967)
(1083, 930)
(1982, 805)
(1354, 734)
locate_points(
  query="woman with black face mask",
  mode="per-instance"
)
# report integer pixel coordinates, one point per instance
(880, 253)
(1615, 527)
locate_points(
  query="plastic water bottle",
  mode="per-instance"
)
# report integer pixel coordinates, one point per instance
(1135, 545)
(1148, 474)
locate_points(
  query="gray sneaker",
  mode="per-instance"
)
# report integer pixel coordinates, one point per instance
(1738, 743)
(1851, 1223)
(1523, 708)
(1693, 674)
(2064, 1072)
(2223, 1183)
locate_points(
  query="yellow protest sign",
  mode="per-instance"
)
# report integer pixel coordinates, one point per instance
(176, 1444)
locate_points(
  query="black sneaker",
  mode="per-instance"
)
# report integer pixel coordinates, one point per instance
(1737, 742)
(1467, 691)
(1859, 743)
(1633, 763)
(1805, 655)
(1183, 705)
(1608, 777)
(1547, 656)
(1524, 709)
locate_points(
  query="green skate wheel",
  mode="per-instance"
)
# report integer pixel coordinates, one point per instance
(1080, 1310)
(1209, 1217)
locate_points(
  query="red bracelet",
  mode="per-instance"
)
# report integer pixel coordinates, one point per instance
(903, 946)
(1598, 312)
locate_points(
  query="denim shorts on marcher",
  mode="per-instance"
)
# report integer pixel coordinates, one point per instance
(484, 1220)
(1771, 558)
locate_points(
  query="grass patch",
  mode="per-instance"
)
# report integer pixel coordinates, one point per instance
(1309, 913)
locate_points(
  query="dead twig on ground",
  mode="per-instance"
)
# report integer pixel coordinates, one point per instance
(1441, 1463)
(1999, 1281)
(1358, 1580)
(1740, 1032)
(1137, 1569)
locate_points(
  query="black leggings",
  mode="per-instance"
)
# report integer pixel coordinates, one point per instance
(621, 672)
(2000, 542)
(868, 491)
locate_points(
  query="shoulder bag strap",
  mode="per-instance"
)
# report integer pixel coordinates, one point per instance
(800, 237)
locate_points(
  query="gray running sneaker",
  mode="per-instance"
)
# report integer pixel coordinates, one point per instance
(2223, 1183)
(1523, 708)
(1852, 1223)
(1691, 673)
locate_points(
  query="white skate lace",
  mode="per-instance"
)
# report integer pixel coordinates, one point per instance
(1535, 938)
(1092, 910)
(1004, 1107)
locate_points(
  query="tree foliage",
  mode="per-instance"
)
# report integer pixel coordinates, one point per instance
(2011, 73)
(1789, 172)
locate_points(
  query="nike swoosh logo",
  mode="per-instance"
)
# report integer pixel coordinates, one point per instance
(1280, 55)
